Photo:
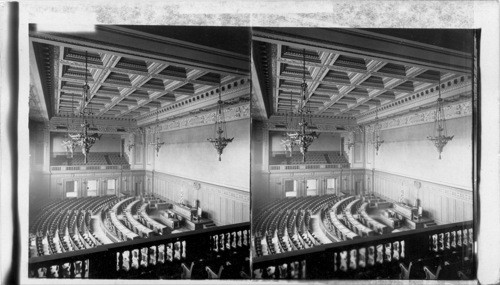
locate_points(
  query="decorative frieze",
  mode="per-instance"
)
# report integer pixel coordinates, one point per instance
(451, 111)
(231, 113)
(332, 125)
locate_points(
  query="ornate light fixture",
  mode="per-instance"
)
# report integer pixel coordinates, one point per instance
(300, 121)
(83, 139)
(156, 140)
(219, 140)
(376, 141)
(440, 138)
(130, 143)
(68, 142)
(350, 144)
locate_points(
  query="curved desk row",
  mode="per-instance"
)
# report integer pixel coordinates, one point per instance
(138, 227)
(340, 230)
(370, 222)
(149, 221)
(356, 226)
(125, 232)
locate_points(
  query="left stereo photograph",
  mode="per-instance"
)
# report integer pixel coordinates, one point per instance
(139, 153)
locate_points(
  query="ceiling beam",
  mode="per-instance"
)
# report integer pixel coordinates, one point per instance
(124, 42)
(359, 43)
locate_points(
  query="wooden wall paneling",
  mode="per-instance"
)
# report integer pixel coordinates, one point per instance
(443, 203)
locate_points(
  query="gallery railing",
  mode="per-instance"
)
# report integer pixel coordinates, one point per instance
(286, 167)
(371, 256)
(155, 257)
(63, 168)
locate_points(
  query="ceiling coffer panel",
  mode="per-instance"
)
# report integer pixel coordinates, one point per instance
(167, 98)
(186, 89)
(358, 92)
(392, 69)
(325, 96)
(429, 75)
(373, 82)
(388, 95)
(373, 102)
(118, 79)
(77, 55)
(108, 91)
(76, 74)
(337, 77)
(351, 62)
(174, 73)
(71, 87)
(298, 54)
(209, 79)
(132, 64)
(139, 95)
(406, 86)
(289, 85)
(294, 72)
(154, 84)
(347, 100)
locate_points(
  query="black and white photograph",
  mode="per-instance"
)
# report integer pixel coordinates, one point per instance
(139, 153)
(363, 150)
(249, 141)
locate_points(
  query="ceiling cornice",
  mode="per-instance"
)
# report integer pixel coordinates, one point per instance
(358, 43)
(136, 45)
(455, 88)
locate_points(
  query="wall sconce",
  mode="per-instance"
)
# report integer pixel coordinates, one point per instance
(130, 146)
(350, 144)
(196, 185)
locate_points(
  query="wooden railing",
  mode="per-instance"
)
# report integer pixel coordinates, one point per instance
(62, 168)
(371, 256)
(288, 167)
(156, 257)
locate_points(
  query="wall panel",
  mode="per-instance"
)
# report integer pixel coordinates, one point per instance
(445, 204)
(407, 151)
(187, 153)
(223, 205)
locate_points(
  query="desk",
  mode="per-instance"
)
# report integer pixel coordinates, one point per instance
(383, 204)
(171, 222)
(418, 224)
(405, 210)
(192, 225)
(185, 211)
(394, 223)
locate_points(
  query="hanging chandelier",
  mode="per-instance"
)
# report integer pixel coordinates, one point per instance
(156, 140)
(219, 140)
(298, 126)
(68, 143)
(83, 139)
(376, 141)
(440, 138)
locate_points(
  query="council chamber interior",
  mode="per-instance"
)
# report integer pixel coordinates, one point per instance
(139, 153)
(363, 153)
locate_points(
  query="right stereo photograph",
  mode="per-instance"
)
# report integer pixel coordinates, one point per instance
(364, 153)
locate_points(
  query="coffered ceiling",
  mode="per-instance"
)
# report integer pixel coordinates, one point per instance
(348, 72)
(132, 73)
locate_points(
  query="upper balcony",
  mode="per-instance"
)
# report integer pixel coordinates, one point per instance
(314, 160)
(96, 161)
